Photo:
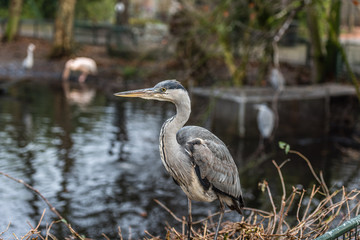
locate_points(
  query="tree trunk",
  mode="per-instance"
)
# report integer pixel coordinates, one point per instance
(64, 22)
(332, 49)
(13, 21)
(317, 53)
(122, 12)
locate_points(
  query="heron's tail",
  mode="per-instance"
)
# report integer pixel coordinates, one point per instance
(234, 203)
(237, 204)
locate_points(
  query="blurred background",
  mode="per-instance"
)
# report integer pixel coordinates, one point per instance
(96, 158)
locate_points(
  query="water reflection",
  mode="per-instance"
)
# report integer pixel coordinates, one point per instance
(99, 165)
(81, 96)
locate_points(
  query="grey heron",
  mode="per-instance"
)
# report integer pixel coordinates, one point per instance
(265, 120)
(276, 79)
(83, 64)
(197, 160)
(28, 62)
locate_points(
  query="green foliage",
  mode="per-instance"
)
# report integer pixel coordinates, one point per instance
(4, 8)
(39, 9)
(129, 72)
(64, 220)
(34, 9)
(4, 13)
(241, 32)
(323, 22)
(321, 8)
(236, 30)
(95, 10)
(284, 146)
(4, 3)
(141, 22)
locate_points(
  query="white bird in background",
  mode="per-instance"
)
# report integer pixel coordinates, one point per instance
(82, 64)
(265, 120)
(29, 60)
(276, 79)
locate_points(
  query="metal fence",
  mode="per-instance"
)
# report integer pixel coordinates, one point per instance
(150, 35)
(349, 230)
(147, 36)
(84, 31)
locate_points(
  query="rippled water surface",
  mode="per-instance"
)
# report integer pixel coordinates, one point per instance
(96, 159)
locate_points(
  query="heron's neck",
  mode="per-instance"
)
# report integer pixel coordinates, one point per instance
(30, 54)
(170, 149)
(183, 111)
(174, 124)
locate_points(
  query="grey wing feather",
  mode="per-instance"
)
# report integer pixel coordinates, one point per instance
(212, 157)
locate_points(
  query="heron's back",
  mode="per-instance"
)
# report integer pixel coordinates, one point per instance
(214, 163)
(189, 133)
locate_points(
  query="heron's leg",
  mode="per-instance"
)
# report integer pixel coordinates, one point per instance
(189, 219)
(222, 210)
(261, 143)
(82, 77)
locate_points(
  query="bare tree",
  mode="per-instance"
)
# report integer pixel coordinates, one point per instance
(13, 21)
(122, 12)
(64, 21)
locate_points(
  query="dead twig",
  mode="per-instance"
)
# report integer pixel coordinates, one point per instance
(6, 229)
(120, 234)
(52, 208)
(35, 231)
(168, 210)
(282, 206)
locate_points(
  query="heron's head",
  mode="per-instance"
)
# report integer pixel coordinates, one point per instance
(260, 106)
(168, 90)
(31, 47)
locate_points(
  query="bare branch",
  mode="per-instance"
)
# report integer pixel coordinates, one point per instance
(52, 208)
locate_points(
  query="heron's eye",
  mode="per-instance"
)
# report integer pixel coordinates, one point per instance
(163, 89)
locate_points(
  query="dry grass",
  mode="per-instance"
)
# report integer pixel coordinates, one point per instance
(312, 214)
(313, 222)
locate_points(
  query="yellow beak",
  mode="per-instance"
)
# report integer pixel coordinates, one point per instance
(142, 93)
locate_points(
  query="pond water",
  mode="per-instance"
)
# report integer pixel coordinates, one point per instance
(96, 159)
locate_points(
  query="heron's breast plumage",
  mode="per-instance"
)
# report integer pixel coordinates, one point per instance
(196, 191)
